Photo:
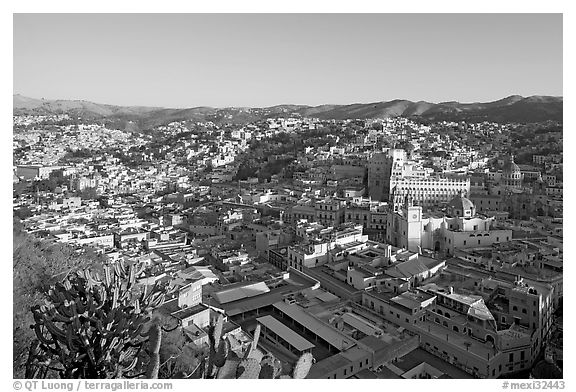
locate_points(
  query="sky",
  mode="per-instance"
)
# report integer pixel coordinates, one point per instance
(257, 60)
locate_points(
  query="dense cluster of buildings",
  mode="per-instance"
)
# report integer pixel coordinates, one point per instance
(399, 251)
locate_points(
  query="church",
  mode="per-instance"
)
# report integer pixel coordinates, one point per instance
(509, 191)
(459, 228)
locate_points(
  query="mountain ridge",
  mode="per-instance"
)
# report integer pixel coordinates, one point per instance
(514, 108)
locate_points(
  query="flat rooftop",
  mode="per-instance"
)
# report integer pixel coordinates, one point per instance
(291, 337)
(328, 366)
(293, 283)
(418, 356)
(188, 312)
(244, 291)
(334, 337)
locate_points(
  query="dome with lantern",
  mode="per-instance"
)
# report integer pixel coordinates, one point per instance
(511, 175)
(461, 207)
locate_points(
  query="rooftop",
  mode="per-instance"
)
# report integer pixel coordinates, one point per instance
(188, 312)
(418, 356)
(336, 338)
(328, 366)
(286, 333)
(244, 291)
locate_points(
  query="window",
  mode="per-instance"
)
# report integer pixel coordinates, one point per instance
(464, 242)
(511, 357)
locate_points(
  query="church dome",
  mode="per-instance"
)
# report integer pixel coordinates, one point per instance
(511, 175)
(460, 206)
(510, 167)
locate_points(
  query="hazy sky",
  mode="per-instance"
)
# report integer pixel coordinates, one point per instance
(186, 60)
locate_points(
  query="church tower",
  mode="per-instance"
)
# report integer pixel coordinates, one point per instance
(412, 224)
(539, 187)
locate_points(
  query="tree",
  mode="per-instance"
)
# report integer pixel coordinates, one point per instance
(209, 168)
(377, 126)
(89, 194)
(23, 212)
(48, 185)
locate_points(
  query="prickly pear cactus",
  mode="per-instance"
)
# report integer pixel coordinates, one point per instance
(228, 370)
(223, 363)
(248, 368)
(303, 366)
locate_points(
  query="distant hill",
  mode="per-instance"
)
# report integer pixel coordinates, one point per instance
(25, 105)
(510, 109)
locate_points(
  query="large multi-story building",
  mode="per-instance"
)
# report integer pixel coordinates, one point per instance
(461, 228)
(31, 172)
(330, 211)
(488, 338)
(317, 246)
(391, 177)
(427, 192)
(380, 168)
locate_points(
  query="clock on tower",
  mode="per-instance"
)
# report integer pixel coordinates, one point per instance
(414, 214)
